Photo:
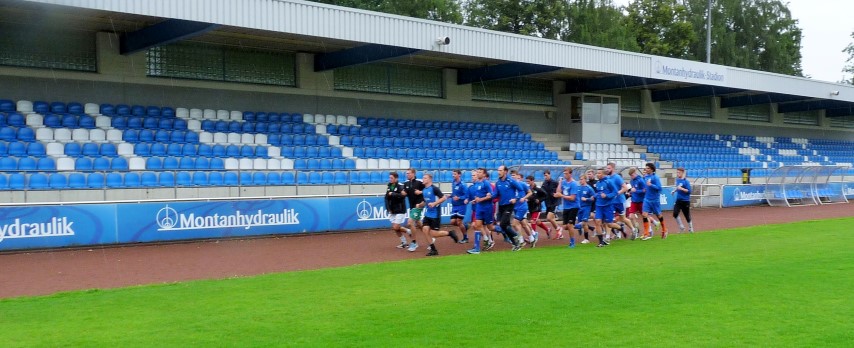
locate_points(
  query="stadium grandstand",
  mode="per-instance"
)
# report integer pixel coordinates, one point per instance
(153, 102)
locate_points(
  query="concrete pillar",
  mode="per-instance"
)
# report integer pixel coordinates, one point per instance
(111, 62)
(452, 90)
(308, 79)
(718, 113)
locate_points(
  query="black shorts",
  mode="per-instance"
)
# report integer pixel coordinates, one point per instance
(433, 223)
(569, 216)
(550, 209)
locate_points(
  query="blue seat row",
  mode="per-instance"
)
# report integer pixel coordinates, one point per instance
(18, 149)
(295, 127)
(426, 124)
(150, 123)
(69, 121)
(13, 119)
(297, 139)
(100, 163)
(324, 163)
(27, 163)
(90, 149)
(205, 150)
(159, 136)
(418, 143)
(425, 133)
(311, 152)
(7, 105)
(149, 179)
(8, 133)
(136, 110)
(271, 117)
(169, 163)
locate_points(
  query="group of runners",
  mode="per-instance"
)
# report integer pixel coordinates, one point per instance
(595, 203)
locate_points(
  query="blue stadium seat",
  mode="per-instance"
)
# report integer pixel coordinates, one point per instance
(146, 136)
(219, 151)
(230, 179)
(7, 105)
(341, 178)
(148, 179)
(187, 163)
(95, 180)
(376, 178)
(153, 163)
(37, 181)
(119, 163)
(58, 181)
(217, 163)
(132, 180)
(115, 180)
(8, 164)
(245, 178)
(8, 134)
(215, 179)
(170, 163)
(200, 178)
(274, 178)
(232, 151)
(302, 178)
(183, 179)
(26, 134)
(83, 164)
(36, 149)
(202, 163)
(288, 178)
(109, 150)
(166, 179)
(46, 164)
(27, 164)
(76, 180)
(101, 163)
(258, 179)
(17, 181)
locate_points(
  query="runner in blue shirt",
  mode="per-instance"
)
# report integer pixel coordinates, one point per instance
(568, 189)
(652, 200)
(620, 200)
(586, 199)
(506, 189)
(433, 199)
(638, 191)
(520, 210)
(459, 193)
(683, 200)
(481, 201)
(605, 193)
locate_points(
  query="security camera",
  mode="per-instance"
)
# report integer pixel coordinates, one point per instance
(834, 92)
(443, 40)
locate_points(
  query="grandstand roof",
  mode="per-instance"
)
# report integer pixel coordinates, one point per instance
(340, 36)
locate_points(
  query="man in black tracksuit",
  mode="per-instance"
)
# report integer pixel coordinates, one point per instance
(413, 188)
(550, 187)
(395, 203)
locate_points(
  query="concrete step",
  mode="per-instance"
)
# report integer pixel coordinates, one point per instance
(550, 137)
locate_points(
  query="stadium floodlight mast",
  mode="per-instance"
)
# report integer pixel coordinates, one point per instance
(709, 33)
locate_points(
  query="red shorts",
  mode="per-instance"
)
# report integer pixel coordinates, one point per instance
(636, 208)
(534, 217)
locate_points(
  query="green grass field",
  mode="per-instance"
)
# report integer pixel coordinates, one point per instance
(781, 285)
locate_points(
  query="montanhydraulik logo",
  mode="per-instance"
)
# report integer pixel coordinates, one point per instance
(365, 211)
(687, 73)
(168, 219)
(748, 195)
(56, 227)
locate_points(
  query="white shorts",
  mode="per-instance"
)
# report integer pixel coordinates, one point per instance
(397, 218)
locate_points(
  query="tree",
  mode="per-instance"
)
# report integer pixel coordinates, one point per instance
(599, 23)
(662, 27)
(541, 18)
(438, 10)
(750, 34)
(849, 63)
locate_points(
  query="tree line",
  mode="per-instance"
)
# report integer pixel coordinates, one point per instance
(751, 34)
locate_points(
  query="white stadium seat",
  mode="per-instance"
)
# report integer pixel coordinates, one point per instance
(125, 149)
(206, 138)
(136, 163)
(114, 135)
(182, 113)
(79, 134)
(234, 138)
(98, 135)
(103, 122)
(223, 115)
(274, 151)
(274, 164)
(65, 164)
(91, 109)
(56, 150)
(35, 120)
(209, 114)
(259, 163)
(231, 164)
(245, 163)
(24, 106)
(236, 116)
(287, 163)
(44, 134)
(260, 139)
(194, 125)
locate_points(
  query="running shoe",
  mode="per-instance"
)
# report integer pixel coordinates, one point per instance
(585, 241)
(572, 242)
(413, 247)
(490, 245)
(646, 238)
(432, 252)
(403, 245)
(473, 251)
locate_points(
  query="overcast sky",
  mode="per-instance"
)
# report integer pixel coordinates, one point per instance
(826, 29)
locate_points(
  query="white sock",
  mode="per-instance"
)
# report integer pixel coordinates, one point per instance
(408, 231)
(679, 221)
(691, 226)
(403, 239)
